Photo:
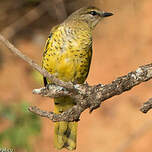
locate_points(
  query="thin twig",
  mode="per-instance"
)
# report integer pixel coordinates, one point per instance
(15, 51)
(64, 116)
(56, 91)
(146, 106)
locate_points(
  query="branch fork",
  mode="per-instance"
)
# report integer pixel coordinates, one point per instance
(84, 95)
(91, 97)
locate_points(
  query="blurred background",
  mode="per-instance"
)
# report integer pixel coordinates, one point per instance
(121, 44)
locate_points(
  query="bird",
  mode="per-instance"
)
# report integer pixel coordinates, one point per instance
(67, 55)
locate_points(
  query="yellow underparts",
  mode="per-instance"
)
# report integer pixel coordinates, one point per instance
(67, 57)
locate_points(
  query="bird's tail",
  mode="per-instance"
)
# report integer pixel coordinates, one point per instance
(65, 132)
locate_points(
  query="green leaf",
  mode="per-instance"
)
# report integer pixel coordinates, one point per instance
(24, 125)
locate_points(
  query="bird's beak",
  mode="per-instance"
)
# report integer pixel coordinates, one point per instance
(106, 14)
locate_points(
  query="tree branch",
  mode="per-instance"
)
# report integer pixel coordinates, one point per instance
(70, 115)
(52, 91)
(84, 95)
(146, 106)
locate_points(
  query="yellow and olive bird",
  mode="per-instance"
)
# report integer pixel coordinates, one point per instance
(67, 55)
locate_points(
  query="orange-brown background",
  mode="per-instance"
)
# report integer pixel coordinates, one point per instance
(121, 44)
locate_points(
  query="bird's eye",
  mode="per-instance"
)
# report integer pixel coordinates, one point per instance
(93, 13)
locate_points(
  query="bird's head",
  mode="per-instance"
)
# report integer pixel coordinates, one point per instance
(91, 15)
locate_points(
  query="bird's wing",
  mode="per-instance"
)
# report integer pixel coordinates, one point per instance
(89, 61)
(46, 48)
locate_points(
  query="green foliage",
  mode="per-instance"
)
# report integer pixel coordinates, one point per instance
(23, 125)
